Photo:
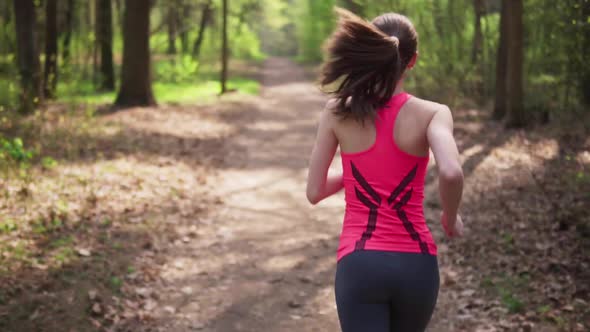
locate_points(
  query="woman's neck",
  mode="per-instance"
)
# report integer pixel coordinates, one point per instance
(399, 88)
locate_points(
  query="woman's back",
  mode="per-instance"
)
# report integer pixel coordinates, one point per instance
(384, 180)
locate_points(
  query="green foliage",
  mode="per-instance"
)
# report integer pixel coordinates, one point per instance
(556, 47)
(14, 150)
(15, 158)
(512, 303)
(61, 242)
(180, 69)
(64, 255)
(48, 162)
(316, 26)
(508, 287)
(115, 283)
(8, 226)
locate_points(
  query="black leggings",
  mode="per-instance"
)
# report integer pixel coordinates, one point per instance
(379, 291)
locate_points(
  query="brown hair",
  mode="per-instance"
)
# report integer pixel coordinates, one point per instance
(367, 59)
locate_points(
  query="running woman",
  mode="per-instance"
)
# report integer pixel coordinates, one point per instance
(387, 275)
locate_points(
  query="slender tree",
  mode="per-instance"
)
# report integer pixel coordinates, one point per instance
(514, 78)
(136, 84)
(501, 64)
(50, 73)
(478, 9)
(67, 33)
(104, 37)
(224, 49)
(171, 23)
(120, 10)
(205, 18)
(585, 51)
(183, 18)
(27, 55)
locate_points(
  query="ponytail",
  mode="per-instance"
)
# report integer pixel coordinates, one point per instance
(365, 64)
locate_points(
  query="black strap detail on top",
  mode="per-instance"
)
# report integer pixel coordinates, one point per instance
(374, 205)
(402, 185)
(361, 180)
(402, 202)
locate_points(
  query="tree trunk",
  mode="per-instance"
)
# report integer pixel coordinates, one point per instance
(120, 10)
(205, 17)
(501, 64)
(171, 19)
(136, 85)
(224, 50)
(50, 73)
(69, 16)
(27, 55)
(354, 7)
(478, 9)
(183, 18)
(104, 38)
(514, 79)
(585, 48)
(6, 44)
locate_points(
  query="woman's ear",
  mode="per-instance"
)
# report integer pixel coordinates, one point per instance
(412, 62)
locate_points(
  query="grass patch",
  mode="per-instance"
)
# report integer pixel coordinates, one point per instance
(61, 242)
(64, 255)
(181, 93)
(8, 226)
(115, 283)
(509, 289)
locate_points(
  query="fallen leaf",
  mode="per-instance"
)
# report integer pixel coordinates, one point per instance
(150, 305)
(93, 295)
(96, 308)
(83, 252)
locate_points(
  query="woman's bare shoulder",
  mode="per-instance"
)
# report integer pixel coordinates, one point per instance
(426, 106)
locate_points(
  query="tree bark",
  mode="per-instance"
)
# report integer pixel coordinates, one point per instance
(50, 73)
(6, 45)
(585, 48)
(501, 64)
(479, 10)
(120, 10)
(136, 85)
(27, 55)
(224, 50)
(514, 78)
(171, 20)
(104, 38)
(183, 18)
(69, 21)
(205, 18)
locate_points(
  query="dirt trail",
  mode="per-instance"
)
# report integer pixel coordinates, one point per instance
(266, 258)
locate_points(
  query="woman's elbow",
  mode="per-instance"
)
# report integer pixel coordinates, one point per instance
(313, 196)
(452, 174)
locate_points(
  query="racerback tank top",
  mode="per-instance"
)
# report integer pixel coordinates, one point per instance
(384, 193)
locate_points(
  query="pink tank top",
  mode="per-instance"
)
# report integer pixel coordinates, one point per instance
(384, 193)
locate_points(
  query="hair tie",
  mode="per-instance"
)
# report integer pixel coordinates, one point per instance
(395, 40)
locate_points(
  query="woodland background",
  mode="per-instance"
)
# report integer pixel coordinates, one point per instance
(97, 97)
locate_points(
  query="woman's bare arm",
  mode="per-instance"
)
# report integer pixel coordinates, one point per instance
(319, 184)
(444, 148)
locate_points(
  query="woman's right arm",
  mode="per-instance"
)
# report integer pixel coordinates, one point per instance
(450, 174)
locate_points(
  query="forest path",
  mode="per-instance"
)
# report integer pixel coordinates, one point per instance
(267, 258)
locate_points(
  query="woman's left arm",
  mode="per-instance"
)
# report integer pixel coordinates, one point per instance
(319, 184)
